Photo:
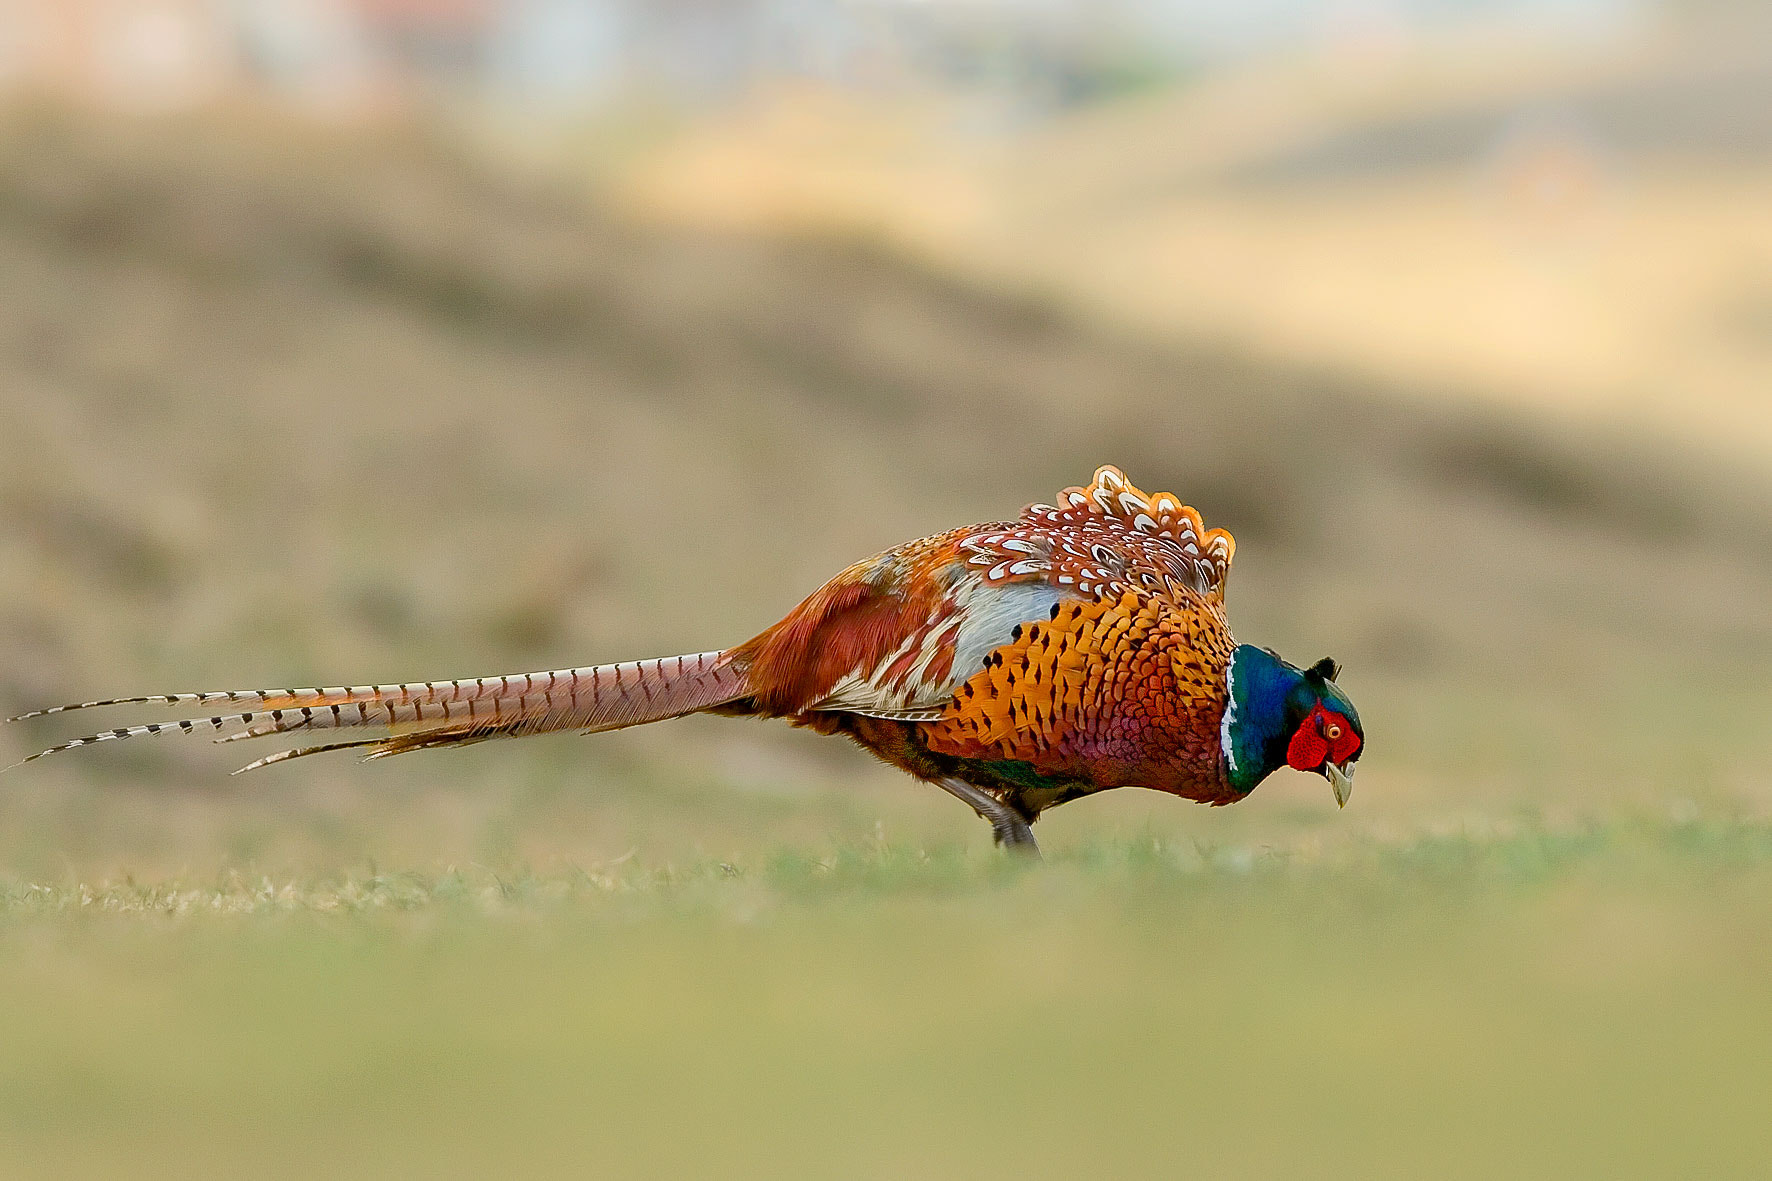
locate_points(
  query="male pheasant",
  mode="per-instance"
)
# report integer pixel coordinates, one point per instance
(1017, 665)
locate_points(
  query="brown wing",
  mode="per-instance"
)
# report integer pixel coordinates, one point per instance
(896, 635)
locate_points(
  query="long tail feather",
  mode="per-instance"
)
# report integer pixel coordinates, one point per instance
(424, 714)
(283, 756)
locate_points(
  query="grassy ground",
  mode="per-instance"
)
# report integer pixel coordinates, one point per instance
(1581, 1002)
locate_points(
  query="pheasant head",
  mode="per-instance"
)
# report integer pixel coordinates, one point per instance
(1280, 715)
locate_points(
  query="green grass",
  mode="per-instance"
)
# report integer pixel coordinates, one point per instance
(1580, 1002)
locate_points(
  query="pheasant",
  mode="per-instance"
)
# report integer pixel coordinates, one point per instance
(1017, 665)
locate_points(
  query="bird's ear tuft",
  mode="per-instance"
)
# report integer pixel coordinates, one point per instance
(1324, 670)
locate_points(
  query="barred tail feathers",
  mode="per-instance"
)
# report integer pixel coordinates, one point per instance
(424, 714)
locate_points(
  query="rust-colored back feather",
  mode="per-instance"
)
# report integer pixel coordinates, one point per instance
(852, 623)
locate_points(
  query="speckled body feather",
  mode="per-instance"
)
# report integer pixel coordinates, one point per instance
(1018, 664)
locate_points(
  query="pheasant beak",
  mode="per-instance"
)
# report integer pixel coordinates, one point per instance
(1342, 780)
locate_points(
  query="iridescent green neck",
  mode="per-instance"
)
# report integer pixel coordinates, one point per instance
(1266, 699)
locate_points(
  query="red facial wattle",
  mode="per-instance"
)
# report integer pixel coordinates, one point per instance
(1324, 737)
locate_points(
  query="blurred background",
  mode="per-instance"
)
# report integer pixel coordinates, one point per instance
(349, 341)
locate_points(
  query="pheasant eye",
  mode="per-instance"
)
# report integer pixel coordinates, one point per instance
(1334, 732)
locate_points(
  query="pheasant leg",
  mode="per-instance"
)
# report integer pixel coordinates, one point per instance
(1009, 829)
